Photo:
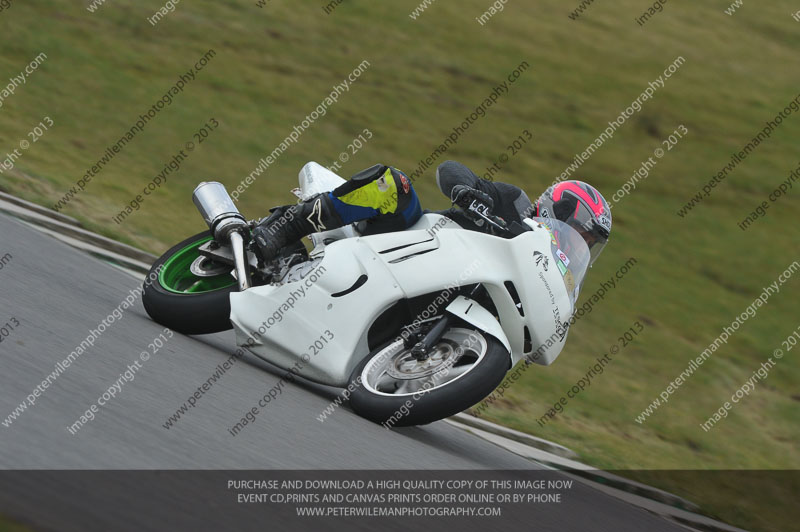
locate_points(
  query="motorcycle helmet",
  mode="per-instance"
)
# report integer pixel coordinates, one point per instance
(583, 208)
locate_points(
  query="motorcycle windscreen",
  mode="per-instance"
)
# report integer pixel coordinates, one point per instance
(571, 254)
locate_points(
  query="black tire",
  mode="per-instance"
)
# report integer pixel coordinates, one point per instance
(437, 403)
(203, 313)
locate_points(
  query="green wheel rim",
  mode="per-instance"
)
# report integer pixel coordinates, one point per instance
(176, 277)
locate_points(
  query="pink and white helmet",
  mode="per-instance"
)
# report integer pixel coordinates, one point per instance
(581, 206)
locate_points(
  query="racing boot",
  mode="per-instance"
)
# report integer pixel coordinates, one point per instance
(290, 223)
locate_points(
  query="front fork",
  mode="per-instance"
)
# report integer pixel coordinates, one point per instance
(422, 348)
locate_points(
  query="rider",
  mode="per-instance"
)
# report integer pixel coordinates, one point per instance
(384, 197)
(576, 203)
(381, 196)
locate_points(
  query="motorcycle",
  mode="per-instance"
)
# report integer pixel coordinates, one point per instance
(418, 324)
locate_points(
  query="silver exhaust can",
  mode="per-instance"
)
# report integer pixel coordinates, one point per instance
(217, 209)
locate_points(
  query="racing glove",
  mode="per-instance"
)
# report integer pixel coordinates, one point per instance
(464, 196)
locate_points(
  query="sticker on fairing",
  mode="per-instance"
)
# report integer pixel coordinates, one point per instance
(563, 256)
(552, 235)
(569, 280)
(541, 259)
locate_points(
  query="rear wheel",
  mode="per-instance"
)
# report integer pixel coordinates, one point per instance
(393, 388)
(189, 293)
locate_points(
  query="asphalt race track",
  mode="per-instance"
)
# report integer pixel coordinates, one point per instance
(57, 294)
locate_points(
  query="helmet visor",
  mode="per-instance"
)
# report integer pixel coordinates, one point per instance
(596, 237)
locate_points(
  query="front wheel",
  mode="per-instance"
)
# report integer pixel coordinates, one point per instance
(393, 388)
(188, 294)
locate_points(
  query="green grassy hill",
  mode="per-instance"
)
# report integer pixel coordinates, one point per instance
(275, 65)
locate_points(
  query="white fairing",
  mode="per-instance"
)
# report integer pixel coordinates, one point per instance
(476, 315)
(316, 179)
(358, 278)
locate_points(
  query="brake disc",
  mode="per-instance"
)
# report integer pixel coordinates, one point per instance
(406, 367)
(205, 267)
